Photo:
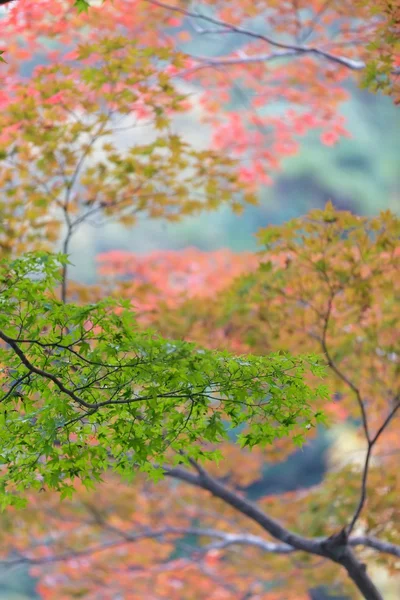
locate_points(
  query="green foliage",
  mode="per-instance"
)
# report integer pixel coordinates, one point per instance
(82, 5)
(84, 390)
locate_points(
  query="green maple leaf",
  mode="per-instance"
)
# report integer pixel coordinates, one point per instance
(82, 5)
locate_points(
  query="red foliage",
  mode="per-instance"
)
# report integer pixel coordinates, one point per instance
(170, 277)
(323, 44)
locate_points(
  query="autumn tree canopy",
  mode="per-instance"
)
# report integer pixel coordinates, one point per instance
(299, 54)
(325, 284)
(232, 367)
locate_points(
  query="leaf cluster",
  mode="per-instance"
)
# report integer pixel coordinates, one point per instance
(84, 390)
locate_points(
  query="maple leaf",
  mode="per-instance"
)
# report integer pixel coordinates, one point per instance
(82, 5)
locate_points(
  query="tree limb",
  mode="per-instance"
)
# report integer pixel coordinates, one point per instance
(244, 506)
(371, 443)
(373, 542)
(291, 49)
(336, 548)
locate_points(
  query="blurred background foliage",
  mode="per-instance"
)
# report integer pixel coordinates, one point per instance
(360, 173)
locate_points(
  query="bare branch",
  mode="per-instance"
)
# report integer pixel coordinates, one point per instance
(244, 506)
(70, 184)
(338, 372)
(316, 18)
(373, 542)
(225, 540)
(292, 50)
(336, 548)
(388, 419)
(371, 444)
(363, 493)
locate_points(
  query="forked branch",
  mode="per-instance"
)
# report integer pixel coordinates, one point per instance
(336, 548)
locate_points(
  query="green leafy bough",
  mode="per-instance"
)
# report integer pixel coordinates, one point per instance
(84, 390)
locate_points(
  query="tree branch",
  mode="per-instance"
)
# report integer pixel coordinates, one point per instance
(92, 407)
(371, 443)
(225, 540)
(45, 374)
(336, 548)
(373, 542)
(338, 372)
(291, 49)
(388, 419)
(244, 506)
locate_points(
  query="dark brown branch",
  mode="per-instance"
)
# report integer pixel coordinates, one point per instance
(178, 393)
(77, 399)
(338, 372)
(45, 374)
(387, 421)
(371, 444)
(336, 548)
(363, 493)
(13, 390)
(244, 506)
